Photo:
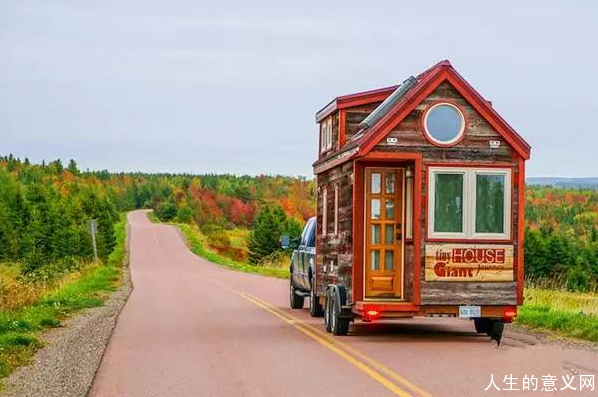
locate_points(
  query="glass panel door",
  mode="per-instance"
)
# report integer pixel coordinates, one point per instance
(384, 239)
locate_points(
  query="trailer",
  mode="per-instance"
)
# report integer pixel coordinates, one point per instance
(420, 206)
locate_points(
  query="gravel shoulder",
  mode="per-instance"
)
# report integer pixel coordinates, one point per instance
(67, 364)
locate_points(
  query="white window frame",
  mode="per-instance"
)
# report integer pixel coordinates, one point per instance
(323, 136)
(324, 211)
(452, 141)
(329, 134)
(469, 203)
(326, 135)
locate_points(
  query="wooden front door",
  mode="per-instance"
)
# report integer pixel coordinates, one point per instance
(384, 233)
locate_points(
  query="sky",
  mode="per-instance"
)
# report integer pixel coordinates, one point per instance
(233, 87)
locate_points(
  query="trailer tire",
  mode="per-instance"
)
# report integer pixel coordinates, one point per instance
(315, 308)
(339, 324)
(328, 311)
(295, 301)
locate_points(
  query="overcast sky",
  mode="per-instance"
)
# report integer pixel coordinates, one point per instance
(234, 86)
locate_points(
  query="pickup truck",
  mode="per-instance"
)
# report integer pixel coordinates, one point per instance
(302, 269)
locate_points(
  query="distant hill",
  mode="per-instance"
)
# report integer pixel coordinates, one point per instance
(587, 183)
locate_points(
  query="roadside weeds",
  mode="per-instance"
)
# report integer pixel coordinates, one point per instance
(196, 243)
(65, 360)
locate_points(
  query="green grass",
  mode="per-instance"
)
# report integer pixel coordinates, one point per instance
(19, 328)
(197, 245)
(565, 313)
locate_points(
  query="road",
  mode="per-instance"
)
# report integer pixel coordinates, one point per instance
(192, 328)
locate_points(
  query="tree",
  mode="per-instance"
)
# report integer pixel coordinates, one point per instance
(270, 224)
(166, 211)
(72, 167)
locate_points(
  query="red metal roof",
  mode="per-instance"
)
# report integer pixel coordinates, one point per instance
(427, 81)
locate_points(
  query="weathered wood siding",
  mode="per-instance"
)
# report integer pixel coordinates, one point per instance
(334, 253)
(356, 115)
(473, 147)
(473, 150)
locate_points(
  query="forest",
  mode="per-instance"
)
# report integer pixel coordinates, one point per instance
(45, 211)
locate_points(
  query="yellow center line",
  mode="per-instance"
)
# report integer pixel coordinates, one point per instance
(350, 354)
(372, 373)
(373, 363)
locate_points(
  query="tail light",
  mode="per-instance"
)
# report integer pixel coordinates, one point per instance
(371, 313)
(509, 315)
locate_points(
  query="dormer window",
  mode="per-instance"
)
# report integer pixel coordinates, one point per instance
(326, 135)
(444, 124)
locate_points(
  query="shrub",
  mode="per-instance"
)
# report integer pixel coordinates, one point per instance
(184, 214)
(166, 211)
(577, 279)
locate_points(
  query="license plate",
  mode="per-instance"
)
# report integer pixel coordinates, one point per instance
(470, 311)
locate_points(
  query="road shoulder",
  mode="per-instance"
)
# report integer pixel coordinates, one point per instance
(67, 364)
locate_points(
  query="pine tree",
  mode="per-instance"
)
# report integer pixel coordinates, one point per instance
(270, 224)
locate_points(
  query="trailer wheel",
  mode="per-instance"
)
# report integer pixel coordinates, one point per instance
(315, 308)
(296, 301)
(328, 311)
(336, 297)
(482, 325)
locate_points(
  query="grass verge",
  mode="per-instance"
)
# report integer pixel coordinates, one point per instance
(567, 314)
(19, 328)
(197, 244)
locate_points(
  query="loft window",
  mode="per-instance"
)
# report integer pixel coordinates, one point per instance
(324, 212)
(469, 203)
(444, 124)
(335, 210)
(326, 135)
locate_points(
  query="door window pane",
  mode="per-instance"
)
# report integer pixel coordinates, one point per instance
(448, 203)
(375, 234)
(389, 233)
(375, 210)
(389, 260)
(390, 209)
(375, 263)
(390, 182)
(489, 212)
(376, 180)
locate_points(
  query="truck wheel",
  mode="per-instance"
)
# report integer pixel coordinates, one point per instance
(295, 300)
(315, 308)
(482, 325)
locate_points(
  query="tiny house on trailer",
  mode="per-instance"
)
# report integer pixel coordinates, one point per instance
(420, 205)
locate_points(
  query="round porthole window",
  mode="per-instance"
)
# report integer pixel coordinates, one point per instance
(444, 123)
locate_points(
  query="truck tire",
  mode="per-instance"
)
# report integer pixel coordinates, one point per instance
(296, 301)
(482, 325)
(315, 308)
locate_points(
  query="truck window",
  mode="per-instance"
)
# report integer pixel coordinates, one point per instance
(304, 233)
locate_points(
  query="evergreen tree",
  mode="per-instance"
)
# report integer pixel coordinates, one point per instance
(270, 224)
(72, 167)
